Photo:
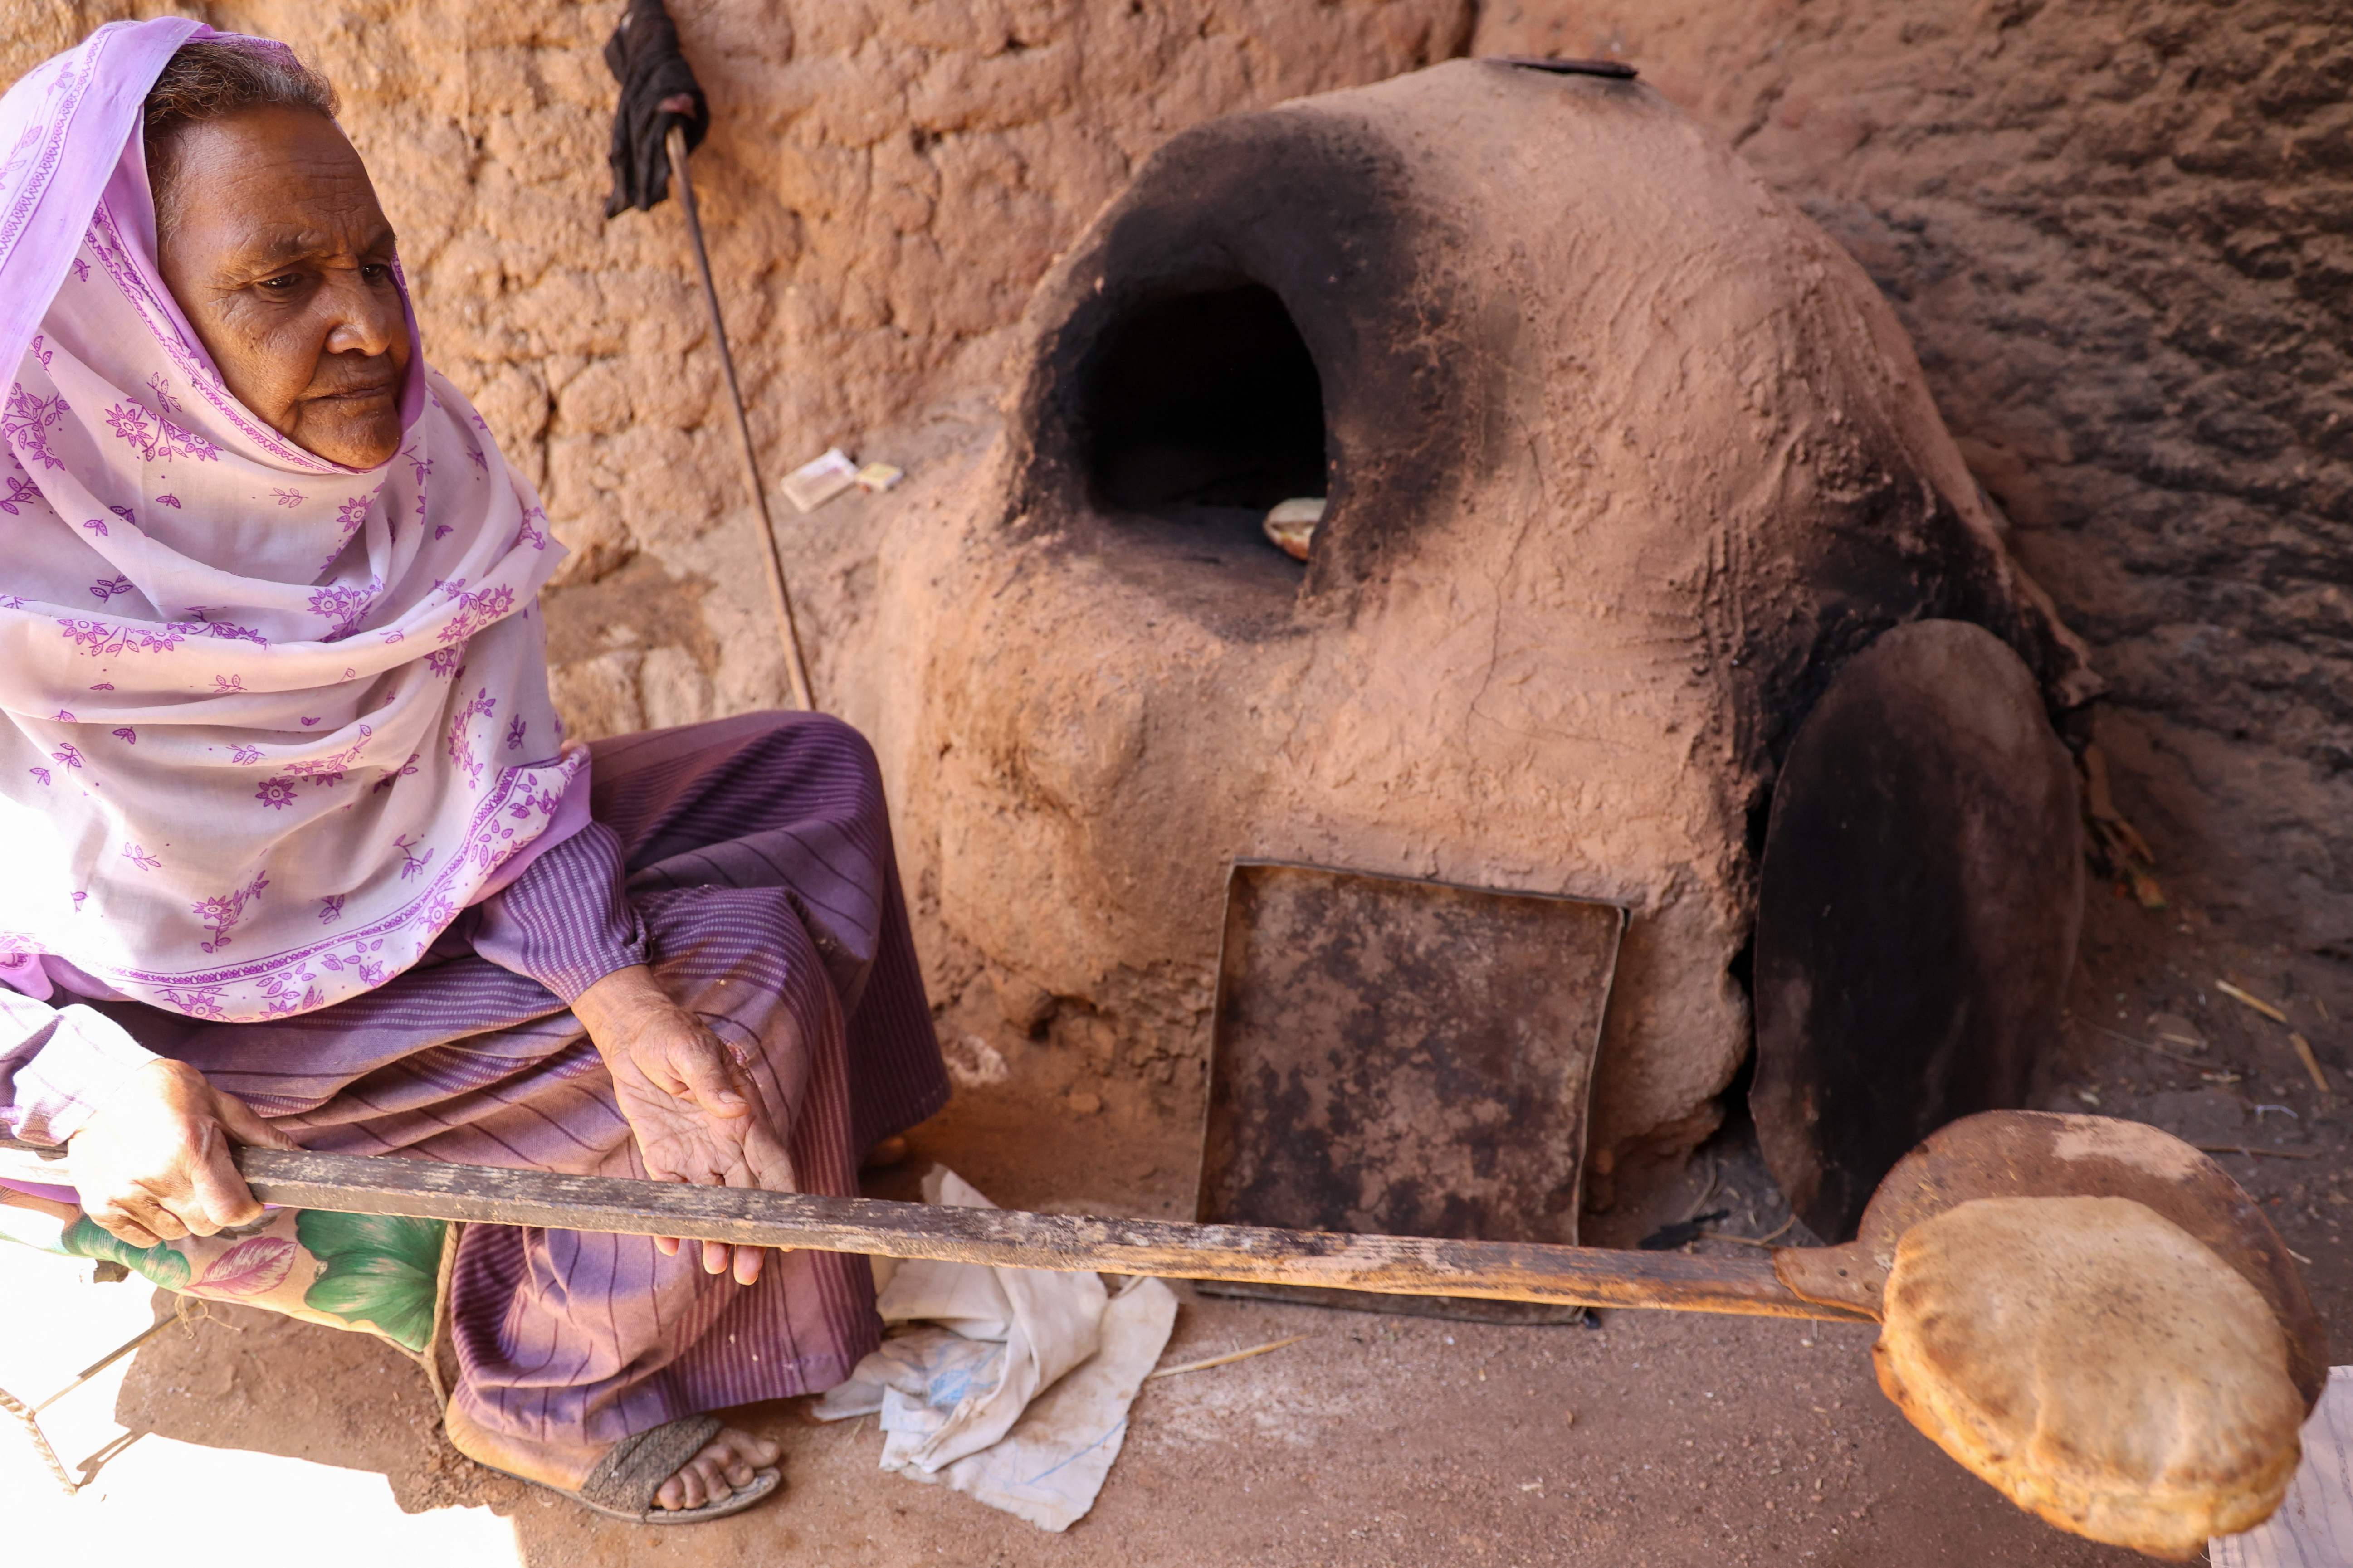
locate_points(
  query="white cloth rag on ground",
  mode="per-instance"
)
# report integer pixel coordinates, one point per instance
(1015, 1387)
(2314, 1527)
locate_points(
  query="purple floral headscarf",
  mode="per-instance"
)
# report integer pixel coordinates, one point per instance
(267, 723)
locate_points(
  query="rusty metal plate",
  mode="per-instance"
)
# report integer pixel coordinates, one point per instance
(1403, 1057)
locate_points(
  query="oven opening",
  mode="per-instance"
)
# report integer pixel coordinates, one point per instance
(1204, 410)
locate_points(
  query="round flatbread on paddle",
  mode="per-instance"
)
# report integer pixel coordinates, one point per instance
(2097, 1364)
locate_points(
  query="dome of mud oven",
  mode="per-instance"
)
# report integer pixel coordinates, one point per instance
(1625, 459)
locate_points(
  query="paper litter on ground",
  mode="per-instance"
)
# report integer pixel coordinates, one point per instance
(2313, 1526)
(1012, 1385)
(820, 479)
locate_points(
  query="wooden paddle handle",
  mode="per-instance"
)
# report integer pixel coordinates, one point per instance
(1386, 1264)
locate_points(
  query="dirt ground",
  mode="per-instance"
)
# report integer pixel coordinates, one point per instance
(1642, 1439)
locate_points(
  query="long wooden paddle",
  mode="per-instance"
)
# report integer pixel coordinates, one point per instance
(1389, 1264)
(2002, 1153)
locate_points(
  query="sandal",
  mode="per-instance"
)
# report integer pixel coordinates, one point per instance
(624, 1484)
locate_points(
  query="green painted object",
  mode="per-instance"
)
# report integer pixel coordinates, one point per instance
(381, 1269)
(159, 1265)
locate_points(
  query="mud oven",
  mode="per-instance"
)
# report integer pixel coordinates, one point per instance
(1648, 575)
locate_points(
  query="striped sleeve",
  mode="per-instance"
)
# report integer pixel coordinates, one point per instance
(57, 1065)
(564, 923)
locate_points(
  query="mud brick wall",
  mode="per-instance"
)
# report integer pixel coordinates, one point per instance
(884, 183)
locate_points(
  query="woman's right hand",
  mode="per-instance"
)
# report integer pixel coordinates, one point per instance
(152, 1164)
(688, 1098)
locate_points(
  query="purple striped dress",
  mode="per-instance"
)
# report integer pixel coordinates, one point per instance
(749, 861)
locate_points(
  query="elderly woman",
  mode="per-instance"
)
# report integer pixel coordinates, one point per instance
(296, 854)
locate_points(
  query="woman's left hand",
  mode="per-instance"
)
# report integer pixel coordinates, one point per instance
(687, 1098)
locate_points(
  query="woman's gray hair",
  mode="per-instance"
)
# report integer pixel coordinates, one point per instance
(217, 79)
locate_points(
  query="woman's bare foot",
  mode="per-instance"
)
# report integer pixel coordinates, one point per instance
(728, 1462)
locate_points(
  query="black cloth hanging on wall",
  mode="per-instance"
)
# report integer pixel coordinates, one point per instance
(656, 80)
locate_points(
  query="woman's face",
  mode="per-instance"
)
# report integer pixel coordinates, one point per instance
(279, 255)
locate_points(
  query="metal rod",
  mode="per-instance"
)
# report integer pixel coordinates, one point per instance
(30, 1416)
(790, 628)
(109, 1359)
(40, 1441)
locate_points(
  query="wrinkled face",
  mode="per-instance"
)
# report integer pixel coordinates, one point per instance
(275, 248)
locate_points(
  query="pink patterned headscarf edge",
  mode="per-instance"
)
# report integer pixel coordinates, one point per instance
(64, 124)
